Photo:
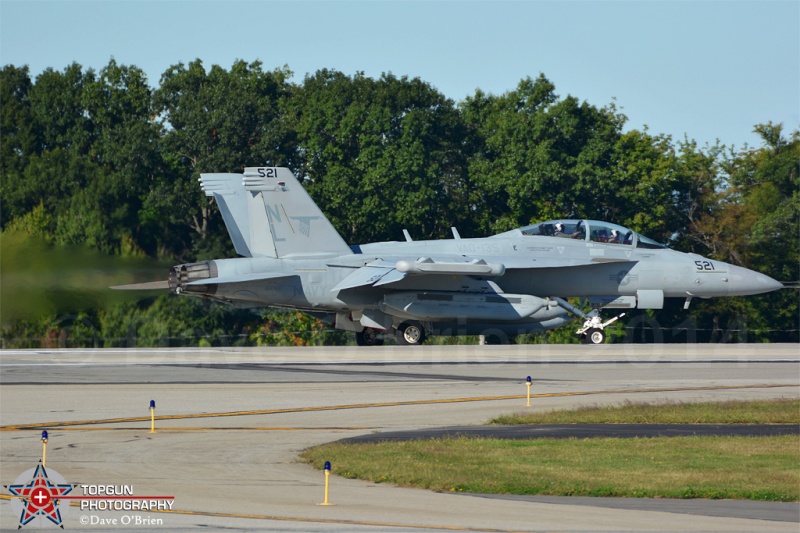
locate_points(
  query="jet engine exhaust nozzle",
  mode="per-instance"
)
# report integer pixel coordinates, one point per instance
(181, 275)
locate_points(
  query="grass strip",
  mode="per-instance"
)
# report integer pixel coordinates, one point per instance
(753, 468)
(782, 411)
(766, 468)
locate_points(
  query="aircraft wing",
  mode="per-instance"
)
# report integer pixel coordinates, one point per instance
(387, 271)
(383, 272)
(372, 274)
(364, 276)
(554, 262)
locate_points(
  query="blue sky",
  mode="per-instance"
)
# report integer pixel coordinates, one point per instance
(707, 69)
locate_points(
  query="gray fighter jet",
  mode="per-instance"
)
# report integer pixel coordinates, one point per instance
(507, 284)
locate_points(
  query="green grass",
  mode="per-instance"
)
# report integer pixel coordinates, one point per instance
(763, 468)
(784, 411)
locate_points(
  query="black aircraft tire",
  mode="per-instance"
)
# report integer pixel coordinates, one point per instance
(368, 337)
(595, 336)
(410, 334)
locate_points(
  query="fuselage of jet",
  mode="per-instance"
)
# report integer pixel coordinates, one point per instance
(442, 285)
(514, 282)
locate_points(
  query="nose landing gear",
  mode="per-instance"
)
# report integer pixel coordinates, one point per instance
(593, 329)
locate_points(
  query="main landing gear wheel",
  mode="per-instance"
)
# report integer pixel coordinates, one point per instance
(594, 336)
(410, 334)
(369, 337)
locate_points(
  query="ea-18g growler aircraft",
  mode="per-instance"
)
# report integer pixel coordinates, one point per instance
(507, 284)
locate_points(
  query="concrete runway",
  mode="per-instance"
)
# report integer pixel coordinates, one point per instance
(230, 423)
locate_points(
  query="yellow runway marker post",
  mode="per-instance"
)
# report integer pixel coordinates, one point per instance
(327, 476)
(44, 448)
(152, 416)
(528, 382)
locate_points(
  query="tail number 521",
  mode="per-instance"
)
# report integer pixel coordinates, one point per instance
(267, 172)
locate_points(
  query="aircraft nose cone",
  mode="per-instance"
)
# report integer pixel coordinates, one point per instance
(746, 282)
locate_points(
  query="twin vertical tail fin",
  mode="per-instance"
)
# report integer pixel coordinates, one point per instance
(233, 202)
(269, 214)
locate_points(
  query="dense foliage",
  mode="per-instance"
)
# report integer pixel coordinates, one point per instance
(102, 160)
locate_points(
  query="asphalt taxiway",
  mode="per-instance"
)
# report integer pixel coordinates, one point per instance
(230, 423)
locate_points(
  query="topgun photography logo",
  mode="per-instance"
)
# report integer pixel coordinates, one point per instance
(41, 498)
(38, 500)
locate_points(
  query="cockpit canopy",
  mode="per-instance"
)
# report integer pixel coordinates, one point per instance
(589, 230)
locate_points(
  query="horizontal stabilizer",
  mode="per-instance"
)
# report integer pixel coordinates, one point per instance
(358, 261)
(147, 286)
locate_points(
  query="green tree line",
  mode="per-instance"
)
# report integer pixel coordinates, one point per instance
(101, 160)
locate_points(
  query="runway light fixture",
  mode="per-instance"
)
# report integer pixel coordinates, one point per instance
(327, 469)
(44, 448)
(528, 382)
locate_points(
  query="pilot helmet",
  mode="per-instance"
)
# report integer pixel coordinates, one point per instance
(559, 226)
(614, 233)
